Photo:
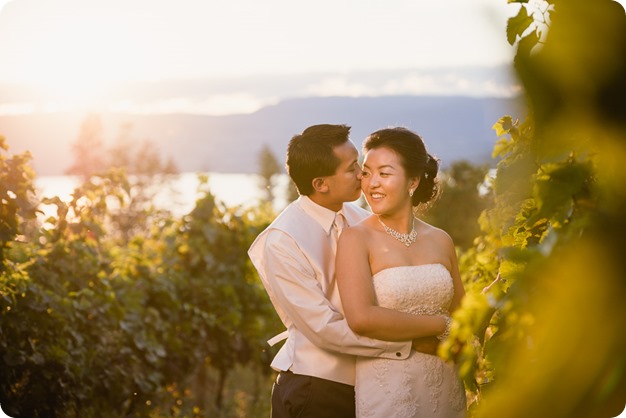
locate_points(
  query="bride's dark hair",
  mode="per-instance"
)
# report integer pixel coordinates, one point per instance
(415, 160)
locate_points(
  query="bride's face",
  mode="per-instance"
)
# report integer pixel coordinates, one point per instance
(385, 183)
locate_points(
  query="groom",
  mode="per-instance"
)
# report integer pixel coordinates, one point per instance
(295, 259)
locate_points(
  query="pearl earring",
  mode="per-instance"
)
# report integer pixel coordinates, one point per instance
(411, 192)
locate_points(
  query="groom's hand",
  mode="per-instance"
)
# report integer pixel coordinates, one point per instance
(426, 345)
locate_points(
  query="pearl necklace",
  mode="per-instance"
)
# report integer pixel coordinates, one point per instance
(406, 239)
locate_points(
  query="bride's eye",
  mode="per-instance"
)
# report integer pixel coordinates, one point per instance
(365, 173)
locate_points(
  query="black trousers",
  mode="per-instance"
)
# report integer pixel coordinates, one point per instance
(299, 396)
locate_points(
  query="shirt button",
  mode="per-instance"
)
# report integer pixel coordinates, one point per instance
(398, 354)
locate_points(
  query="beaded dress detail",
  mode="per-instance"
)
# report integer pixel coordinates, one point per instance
(422, 385)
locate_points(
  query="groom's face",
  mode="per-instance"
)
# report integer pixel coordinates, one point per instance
(345, 184)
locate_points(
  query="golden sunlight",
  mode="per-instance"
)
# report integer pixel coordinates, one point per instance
(79, 65)
(75, 55)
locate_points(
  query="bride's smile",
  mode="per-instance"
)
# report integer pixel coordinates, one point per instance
(385, 184)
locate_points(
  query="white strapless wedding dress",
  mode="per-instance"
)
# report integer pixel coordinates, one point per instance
(421, 385)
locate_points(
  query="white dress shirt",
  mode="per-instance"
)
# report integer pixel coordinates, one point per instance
(295, 260)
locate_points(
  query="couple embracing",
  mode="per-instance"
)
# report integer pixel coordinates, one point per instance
(365, 296)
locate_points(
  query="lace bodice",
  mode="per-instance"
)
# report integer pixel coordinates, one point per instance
(426, 289)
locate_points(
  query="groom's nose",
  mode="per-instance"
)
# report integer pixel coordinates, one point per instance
(359, 173)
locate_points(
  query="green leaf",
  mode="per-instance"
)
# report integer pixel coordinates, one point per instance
(503, 125)
(501, 147)
(527, 43)
(556, 189)
(517, 25)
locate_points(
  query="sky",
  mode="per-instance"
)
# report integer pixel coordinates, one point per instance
(238, 55)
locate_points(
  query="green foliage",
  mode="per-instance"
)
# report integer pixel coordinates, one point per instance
(145, 174)
(517, 25)
(528, 27)
(138, 157)
(88, 149)
(268, 169)
(153, 327)
(461, 202)
(540, 332)
(16, 196)
(210, 253)
(292, 191)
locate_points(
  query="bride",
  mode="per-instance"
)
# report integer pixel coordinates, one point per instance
(394, 260)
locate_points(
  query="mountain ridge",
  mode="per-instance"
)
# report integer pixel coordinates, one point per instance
(453, 128)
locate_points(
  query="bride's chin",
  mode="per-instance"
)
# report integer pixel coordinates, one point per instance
(376, 209)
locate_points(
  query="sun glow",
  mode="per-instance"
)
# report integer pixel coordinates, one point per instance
(71, 56)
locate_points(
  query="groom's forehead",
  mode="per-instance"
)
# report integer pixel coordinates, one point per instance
(346, 151)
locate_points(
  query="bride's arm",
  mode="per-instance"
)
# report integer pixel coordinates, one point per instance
(364, 316)
(448, 246)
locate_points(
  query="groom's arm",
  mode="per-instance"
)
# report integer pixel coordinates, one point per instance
(292, 280)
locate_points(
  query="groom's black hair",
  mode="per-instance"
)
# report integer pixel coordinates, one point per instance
(311, 154)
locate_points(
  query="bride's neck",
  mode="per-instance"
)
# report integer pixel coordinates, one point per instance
(401, 222)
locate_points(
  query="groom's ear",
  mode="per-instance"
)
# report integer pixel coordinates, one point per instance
(319, 185)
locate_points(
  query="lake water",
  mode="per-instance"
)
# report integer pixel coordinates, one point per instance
(182, 192)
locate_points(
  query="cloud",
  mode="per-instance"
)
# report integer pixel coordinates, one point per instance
(338, 86)
(435, 82)
(237, 95)
(216, 105)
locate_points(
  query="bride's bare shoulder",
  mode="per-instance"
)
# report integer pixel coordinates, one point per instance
(434, 233)
(361, 229)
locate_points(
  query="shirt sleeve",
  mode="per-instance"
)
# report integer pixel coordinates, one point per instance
(292, 281)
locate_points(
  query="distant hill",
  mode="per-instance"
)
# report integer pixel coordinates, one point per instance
(453, 128)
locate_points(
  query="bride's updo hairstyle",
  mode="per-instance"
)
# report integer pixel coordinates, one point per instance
(415, 160)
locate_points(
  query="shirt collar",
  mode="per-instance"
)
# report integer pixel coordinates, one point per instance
(323, 216)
